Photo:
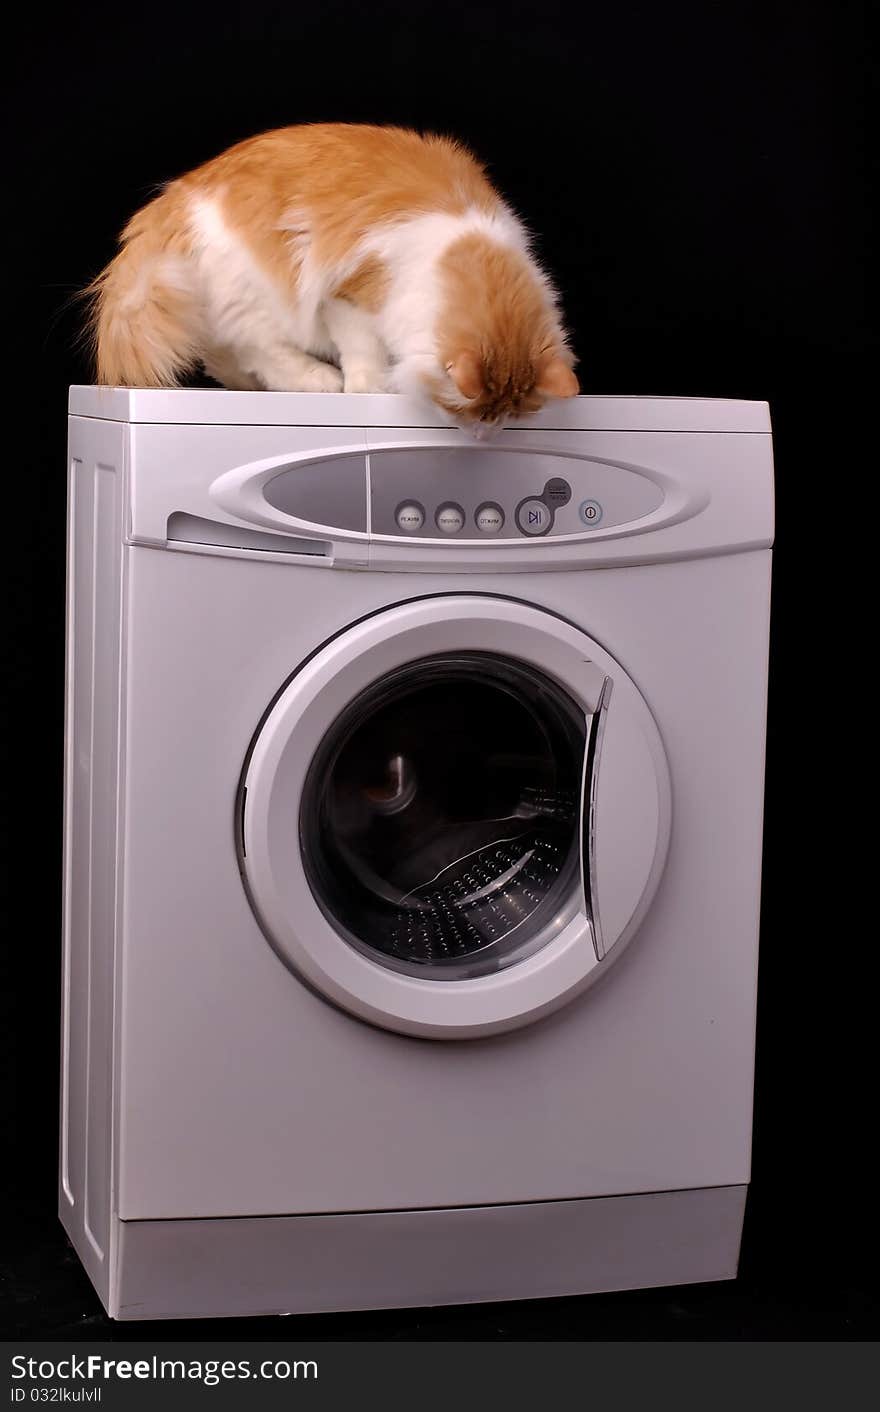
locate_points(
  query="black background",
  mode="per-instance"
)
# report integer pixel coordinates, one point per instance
(697, 179)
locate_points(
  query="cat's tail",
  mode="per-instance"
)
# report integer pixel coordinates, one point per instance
(144, 315)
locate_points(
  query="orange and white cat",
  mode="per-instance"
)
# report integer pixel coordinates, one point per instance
(334, 257)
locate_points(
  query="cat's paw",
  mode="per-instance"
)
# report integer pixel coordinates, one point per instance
(323, 377)
(365, 379)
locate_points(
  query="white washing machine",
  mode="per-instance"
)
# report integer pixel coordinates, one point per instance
(413, 841)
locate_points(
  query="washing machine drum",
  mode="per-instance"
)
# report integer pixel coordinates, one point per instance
(439, 822)
(454, 815)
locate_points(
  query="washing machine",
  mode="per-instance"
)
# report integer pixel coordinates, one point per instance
(412, 847)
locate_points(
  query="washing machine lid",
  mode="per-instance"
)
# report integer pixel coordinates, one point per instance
(454, 816)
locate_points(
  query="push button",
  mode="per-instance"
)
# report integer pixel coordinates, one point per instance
(449, 518)
(590, 512)
(489, 518)
(410, 517)
(557, 491)
(534, 517)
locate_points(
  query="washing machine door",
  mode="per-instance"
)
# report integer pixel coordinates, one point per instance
(454, 816)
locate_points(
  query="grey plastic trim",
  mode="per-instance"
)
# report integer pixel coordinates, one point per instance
(196, 529)
(589, 796)
(451, 1255)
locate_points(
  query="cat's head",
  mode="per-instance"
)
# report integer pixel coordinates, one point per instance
(483, 390)
(501, 348)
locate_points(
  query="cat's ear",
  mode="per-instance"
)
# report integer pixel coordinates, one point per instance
(555, 377)
(466, 372)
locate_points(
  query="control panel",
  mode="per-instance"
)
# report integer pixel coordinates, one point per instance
(465, 493)
(470, 493)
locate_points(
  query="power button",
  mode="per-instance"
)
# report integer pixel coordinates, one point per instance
(590, 512)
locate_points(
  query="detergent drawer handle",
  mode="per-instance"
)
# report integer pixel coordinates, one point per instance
(595, 728)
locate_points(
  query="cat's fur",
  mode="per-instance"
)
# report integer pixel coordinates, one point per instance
(330, 257)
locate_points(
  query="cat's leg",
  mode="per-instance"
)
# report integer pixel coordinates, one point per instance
(224, 368)
(283, 368)
(414, 374)
(361, 352)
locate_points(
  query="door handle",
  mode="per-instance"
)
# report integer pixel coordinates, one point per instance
(595, 730)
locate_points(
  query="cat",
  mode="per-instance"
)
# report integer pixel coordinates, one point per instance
(330, 257)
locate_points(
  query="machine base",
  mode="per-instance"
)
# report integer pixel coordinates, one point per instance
(393, 1259)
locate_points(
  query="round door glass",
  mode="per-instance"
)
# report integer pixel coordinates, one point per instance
(439, 824)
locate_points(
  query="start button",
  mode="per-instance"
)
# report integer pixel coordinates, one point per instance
(534, 517)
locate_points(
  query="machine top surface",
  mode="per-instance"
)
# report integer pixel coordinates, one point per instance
(217, 407)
